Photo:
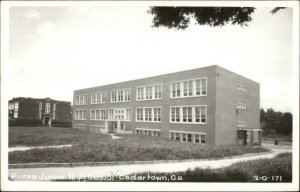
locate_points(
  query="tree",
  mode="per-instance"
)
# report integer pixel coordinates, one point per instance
(180, 17)
(286, 124)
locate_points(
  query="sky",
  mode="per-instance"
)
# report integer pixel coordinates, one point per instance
(56, 50)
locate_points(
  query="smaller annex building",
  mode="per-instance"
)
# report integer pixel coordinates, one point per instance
(45, 109)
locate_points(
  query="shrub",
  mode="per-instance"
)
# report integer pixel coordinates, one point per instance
(25, 122)
(65, 124)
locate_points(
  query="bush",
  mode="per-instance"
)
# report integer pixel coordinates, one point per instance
(24, 122)
(65, 124)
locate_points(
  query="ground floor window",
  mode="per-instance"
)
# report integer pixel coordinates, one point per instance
(149, 132)
(188, 137)
(79, 126)
(96, 128)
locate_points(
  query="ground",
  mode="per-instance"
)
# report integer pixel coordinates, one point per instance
(92, 147)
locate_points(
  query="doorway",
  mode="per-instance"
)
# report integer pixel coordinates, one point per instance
(242, 137)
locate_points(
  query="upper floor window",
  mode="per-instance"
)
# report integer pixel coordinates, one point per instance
(241, 87)
(47, 108)
(16, 105)
(120, 95)
(189, 88)
(241, 106)
(54, 106)
(149, 92)
(81, 99)
(241, 124)
(100, 97)
(11, 106)
(189, 114)
(40, 105)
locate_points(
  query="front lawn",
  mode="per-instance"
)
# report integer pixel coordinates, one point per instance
(45, 136)
(91, 147)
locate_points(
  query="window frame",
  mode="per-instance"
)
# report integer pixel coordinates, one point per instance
(188, 88)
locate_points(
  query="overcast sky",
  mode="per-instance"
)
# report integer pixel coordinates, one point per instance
(56, 50)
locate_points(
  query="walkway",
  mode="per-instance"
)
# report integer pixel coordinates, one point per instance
(11, 149)
(53, 173)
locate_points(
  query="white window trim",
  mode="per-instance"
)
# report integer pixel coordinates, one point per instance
(241, 87)
(188, 132)
(148, 129)
(110, 119)
(193, 116)
(153, 92)
(241, 124)
(81, 95)
(241, 106)
(117, 95)
(80, 110)
(98, 109)
(194, 88)
(47, 107)
(152, 114)
(101, 97)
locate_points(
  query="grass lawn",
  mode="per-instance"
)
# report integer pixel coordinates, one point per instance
(44, 136)
(278, 169)
(91, 147)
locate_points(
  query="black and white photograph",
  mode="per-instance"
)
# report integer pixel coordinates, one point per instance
(150, 95)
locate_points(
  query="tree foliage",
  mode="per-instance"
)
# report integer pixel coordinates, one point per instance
(276, 122)
(180, 17)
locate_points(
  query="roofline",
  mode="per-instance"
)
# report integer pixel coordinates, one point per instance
(39, 99)
(209, 66)
(238, 75)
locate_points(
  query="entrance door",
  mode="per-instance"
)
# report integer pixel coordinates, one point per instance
(113, 127)
(242, 137)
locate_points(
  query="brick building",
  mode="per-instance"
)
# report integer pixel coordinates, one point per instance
(207, 105)
(46, 109)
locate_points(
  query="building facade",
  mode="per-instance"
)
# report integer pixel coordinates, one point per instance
(46, 109)
(208, 105)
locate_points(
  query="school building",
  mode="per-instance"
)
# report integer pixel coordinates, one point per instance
(209, 105)
(45, 109)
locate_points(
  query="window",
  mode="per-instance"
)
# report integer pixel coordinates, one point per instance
(53, 116)
(128, 114)
(241, 87)
(98, 114)
(190, 88)
(140, 93)
(184, 137)
(47, 108)
(79, 126)
(16, 105)
(190, 114)
(40, 105)
(241, 106)
(157, 92)
(16, 113)
(193, 137)
(40, 115)
(149, 92)
(196, 138)
(148, 114)
(54, 107)
(189, 137)
(241, 124)
(80, 114)
(120, 95)
(119, 114)
(97, 98)
(148, 132)
(81, 99)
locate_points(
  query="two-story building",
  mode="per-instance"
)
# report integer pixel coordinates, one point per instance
(207, 105)
(44, 109)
